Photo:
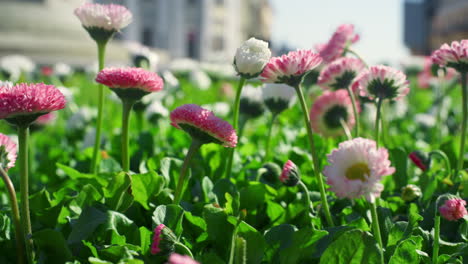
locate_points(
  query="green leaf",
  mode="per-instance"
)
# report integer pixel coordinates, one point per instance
(117, 193)
(240, 256)
(169, 215)
(255, 242)
(252, 196)
(77, 176)
(219, 229)
(146, 240)
(169, 169)
(399, 159)
(145, 186)
(406, 251)
(304, 245)
(207, 187)
(225, 186)
(278, 238)
(354, 246)
(53, 246)
(414, 219)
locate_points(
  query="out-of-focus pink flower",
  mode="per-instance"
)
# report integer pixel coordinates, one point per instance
(47, 70)
(130, 78)
(46, 119)
(420, 159)
(181, 259)
(335, 47)
(453, 209)
(340, 73)
(203, 125)
(157, 239)
(455, 55)
(356, 169)
(290, 174)
(382, 82)
(109, 17)
(290, 68)
(7, 152)
(425, 77)
(29, 99)
(328, 110)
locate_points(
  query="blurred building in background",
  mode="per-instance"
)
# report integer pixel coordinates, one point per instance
(207, 30)
(430, 23)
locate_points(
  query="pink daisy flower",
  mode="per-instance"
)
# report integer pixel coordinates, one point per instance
(131, 83)
(25, 102)
(109, 17)
(7, 152)
(46, 119)
(356, 169)
(343, 37)
(455, 55)
(181, 259)
(340, 73)
(453, 209)
(290, 175)
(203, 125)
(290, 68)
(328, 110)
(425, 77)
(157, 239)
(382, 82)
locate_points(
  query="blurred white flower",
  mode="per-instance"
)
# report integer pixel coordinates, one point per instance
(200, 79)
(218, 108)
(62, 69)
(222, 70)
(156, 108)
(251, 103)
(15, 65)
(170, 81)
(6, 83)
(141, 54)
(80, 119)
(67, 92)
(393, 111)
(426, 120)
(183, 65)
(278, 97)
(251, 92)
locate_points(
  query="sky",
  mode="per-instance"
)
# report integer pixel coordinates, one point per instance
(304, 23)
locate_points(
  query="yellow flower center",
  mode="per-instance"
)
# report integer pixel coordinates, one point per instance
(358, 171)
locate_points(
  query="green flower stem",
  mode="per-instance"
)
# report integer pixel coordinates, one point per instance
(376, 227)
(308, 203)
(126, 110)
(435, 252)
(377, 121)
(346, 129)
(97, 140)
(233, 243)
(355, 111)
(235, 124)
(465, 118)
(313, 150)
(442, 155)
(185, 249)
(270, 129)
(357, 56)
(194, 147)
(16, 215)
(23, 135)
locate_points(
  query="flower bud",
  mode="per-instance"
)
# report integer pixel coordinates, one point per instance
(251, 103)
(410, 192)
(271, 171)
(251, 57)
(420, 159)
(290, 175)
(453, 209)
(163, 240)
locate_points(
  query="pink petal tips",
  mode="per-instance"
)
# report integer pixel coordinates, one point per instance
(7, 152)
(109, 17)
(181, 259)
(340, 74)
(203, 125)
(356, 169)
(290, 68)
(29, 99)
(329, 111)
(290, 174)
(130, 78)
(343, 37)
(455, 55)
(453, 209)
(157, 239)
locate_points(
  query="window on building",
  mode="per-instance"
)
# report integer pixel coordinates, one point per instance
(218, 43)
(220, 2)
(192, 2)
(148, 37)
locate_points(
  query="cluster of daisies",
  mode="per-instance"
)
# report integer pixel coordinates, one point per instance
(354, 169)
